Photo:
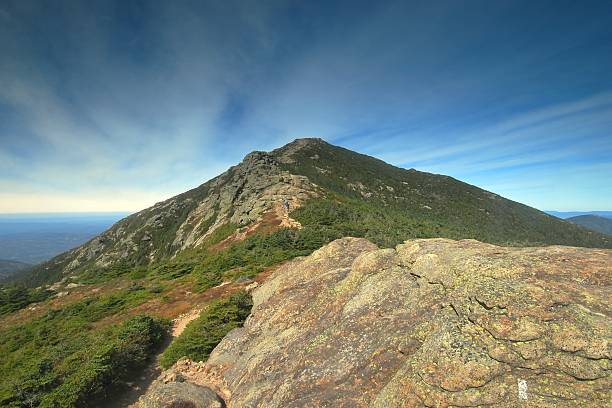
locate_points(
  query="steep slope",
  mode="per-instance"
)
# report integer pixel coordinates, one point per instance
(239, 197)
(594, 223)
(354, 195)
(430, 323)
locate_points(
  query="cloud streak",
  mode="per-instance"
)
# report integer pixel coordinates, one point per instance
(143, 100)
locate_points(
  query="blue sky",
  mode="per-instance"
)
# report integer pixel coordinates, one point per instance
(112, 106)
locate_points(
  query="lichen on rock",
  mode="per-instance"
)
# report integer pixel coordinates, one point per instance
(432, 322)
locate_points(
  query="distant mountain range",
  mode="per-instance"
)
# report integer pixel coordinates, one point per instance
(568, 214)
(594, 223)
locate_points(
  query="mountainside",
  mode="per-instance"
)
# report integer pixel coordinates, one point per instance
(594, 223)
(237, 198)
(333, 189)
(430, 323)
(91, 321)
(9, 268)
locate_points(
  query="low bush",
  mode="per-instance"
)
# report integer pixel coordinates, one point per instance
(63, 359)
(88, 373)
(15, 297)
(204, 333)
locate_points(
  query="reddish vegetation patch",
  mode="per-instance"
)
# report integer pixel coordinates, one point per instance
(271, 220)
(71, 296)
(181, 300)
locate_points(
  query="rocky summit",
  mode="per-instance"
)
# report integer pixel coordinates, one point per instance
(431, 322)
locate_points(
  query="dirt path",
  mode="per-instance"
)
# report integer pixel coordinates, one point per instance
(179, 324)
(127, 395)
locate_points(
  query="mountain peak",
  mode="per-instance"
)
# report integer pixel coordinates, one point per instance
(303, 141)
(266, 187)
(286, 153)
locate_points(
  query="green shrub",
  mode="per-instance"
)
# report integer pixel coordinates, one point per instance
(101, 365)
(57, 362)
(15, 297)
(204, 333)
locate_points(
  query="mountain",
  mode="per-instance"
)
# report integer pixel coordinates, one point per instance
(87, 327)
(430, 323)
(568, 214)
(594, 223)
(330, 189)
(9, 268)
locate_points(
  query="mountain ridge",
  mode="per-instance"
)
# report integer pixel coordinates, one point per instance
(567, 214)
(107, 305)
(282, 180)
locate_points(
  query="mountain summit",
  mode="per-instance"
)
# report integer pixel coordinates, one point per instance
(311, 182)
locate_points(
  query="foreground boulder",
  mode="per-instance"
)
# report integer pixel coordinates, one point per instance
(177, 394)
(431, 323)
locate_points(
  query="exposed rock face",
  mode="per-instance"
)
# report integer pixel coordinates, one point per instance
(241, 196)
(431, 323)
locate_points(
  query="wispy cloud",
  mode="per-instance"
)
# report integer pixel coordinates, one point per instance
(126, 99)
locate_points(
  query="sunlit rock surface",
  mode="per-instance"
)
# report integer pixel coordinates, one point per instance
(430, 323)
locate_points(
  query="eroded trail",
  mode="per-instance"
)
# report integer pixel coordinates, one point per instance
(179, 324)
(128, 395)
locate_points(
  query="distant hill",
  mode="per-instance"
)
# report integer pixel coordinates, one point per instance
(568, 214)
(9, 268)
(594, 223)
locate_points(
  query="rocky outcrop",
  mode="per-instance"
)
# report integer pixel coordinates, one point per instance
(241, 196)
(179, 394)
(431, 323)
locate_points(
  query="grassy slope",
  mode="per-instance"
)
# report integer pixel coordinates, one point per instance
(62, 359)
(52, 359)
